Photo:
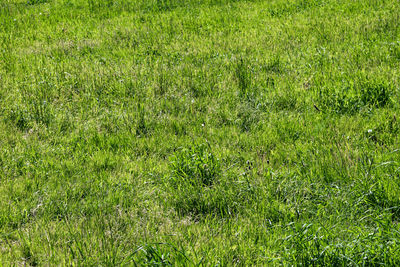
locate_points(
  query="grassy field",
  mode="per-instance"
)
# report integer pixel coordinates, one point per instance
(199, 132)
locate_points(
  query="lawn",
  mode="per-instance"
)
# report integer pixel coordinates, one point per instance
(199, 132)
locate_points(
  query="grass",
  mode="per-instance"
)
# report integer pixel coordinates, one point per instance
(199, 132)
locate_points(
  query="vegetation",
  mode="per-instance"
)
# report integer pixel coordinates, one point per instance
(199, 132)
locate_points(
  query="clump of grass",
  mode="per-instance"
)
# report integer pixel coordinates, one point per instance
(310, 245)
(385, 132)
(196, 166)
(196, 84)
(158, 254)
(35, 2)
(285, 101)
(28, 256)
(336, 102)
(376, 190)
(248, 117)
(360, 96)
(275, 65)
(374, 93)
(19, 117)
(163, 84)
(141, 127)
(32, 109)
(395, 50)
(243, 77)
(195, 185)
(96, 5)
(164, 5)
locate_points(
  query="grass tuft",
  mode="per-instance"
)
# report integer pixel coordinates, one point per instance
(361, 96)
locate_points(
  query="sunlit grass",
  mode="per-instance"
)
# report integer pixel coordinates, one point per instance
(199, 132)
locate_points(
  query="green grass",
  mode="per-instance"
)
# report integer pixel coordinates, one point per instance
(199, 132)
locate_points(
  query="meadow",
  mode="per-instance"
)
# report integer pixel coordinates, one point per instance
(199, 132)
